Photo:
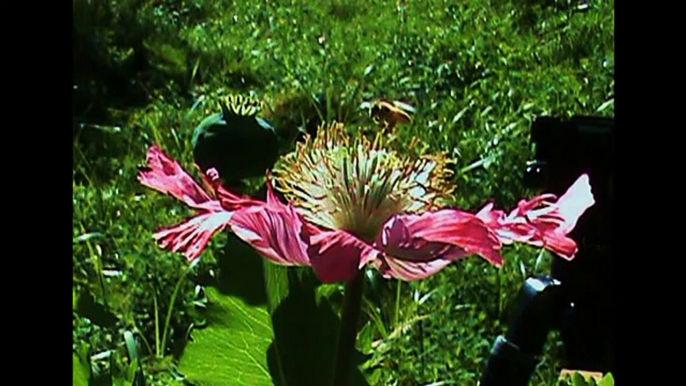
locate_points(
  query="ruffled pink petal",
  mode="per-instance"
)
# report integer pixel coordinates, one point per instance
(546, 226)
(509, 229)
(408, 270)
(274, 229)
(192, 236)
(525, 206)
(337, 256)
(165, 175)
(560, 244)
(417, 246)
(228, 200)
(457, 228)
(574, 203)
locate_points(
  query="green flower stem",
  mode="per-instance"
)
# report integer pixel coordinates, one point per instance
(347, 334)
(167, 321)
(157, 324)
(397, 304)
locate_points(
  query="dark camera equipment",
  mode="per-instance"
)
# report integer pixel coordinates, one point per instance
(578, 297)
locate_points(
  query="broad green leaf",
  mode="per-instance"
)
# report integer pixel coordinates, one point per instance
(232, 349)
(245, 344)
(80, 371)
(608, 380)
(578, 380)
(276, 281)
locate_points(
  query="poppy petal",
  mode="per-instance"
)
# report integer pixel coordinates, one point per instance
(337, 256)
(165, 175)
(274, 229)
(417, 246)
(192, 236)
(546, 226)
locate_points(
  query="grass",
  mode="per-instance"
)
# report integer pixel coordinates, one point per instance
(477, 72)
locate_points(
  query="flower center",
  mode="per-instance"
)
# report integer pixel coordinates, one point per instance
(356, 185)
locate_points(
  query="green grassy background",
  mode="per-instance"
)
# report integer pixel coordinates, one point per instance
(477, 72)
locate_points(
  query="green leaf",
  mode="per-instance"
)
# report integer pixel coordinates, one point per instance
(81, 371)
(87, 236)
(605, 105)
(460, 114)
(254, 339)
(232, 350)
(131, 345)
(276, 281)
(608, 380)
(578, 380)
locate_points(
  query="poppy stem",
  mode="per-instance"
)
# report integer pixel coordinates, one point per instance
(347, 334)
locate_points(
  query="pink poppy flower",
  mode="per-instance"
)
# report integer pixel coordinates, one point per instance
(541, 222)
(350, 202)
